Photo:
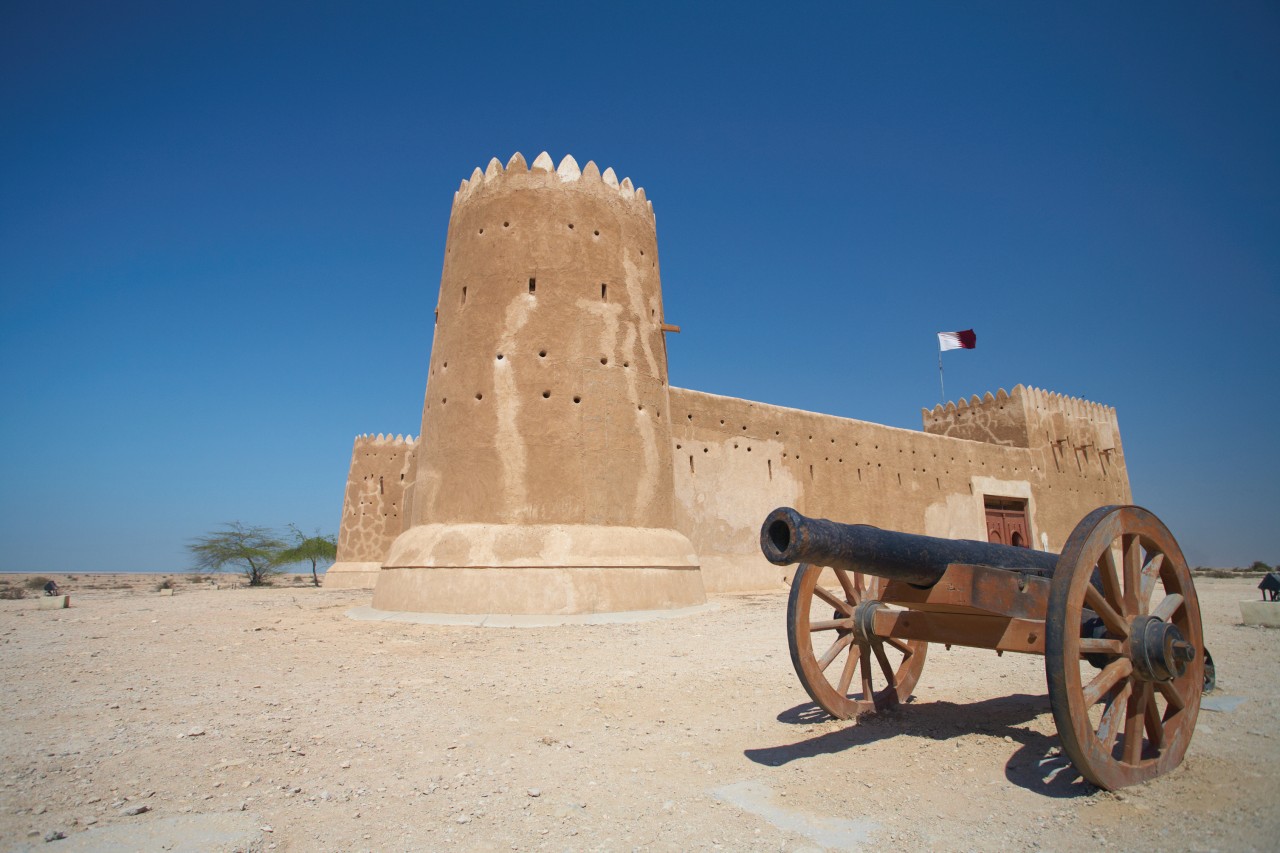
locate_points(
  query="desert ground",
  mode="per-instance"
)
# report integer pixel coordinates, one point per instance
(270, 719)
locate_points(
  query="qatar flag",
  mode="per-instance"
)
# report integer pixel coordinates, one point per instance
(957, 340)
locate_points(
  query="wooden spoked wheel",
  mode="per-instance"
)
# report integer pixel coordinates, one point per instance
(1124, 648)
(844, 677)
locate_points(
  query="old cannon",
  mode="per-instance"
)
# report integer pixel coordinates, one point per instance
(1115, 616)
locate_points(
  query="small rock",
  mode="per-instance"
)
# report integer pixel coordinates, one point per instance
(55, 835)
(266, 828)
(462, 818)
(346, 765)
(89, 821)
(130, 811)
(535, 792)
(244, 807)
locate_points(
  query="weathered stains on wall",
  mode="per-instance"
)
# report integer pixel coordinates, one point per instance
(996, 419)
(373, 510)
(547, 400)
(736, 460)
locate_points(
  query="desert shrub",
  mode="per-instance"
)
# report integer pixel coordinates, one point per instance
(196, 579)
(36, 582)
(164, 584)
(12, 593)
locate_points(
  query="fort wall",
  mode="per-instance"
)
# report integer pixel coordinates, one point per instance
(735, 460)
(374, 508)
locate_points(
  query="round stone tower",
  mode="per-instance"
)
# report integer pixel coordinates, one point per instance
(544, 481)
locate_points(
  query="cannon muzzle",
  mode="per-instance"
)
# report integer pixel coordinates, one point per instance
(788, 537)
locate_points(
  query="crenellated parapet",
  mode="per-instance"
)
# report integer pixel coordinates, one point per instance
(1028, 417)
(544, 173)
(998, 418)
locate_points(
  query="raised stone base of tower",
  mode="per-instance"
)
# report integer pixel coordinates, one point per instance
(557, 569)
(349, 575)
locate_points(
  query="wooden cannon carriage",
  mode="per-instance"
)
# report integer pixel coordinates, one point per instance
(1115, 616)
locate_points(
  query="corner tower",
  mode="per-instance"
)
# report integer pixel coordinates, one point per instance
(544, 480)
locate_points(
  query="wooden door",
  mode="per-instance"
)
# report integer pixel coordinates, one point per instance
(1007, 522)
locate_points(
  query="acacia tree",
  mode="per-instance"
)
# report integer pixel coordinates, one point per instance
(313, 549)
(253, 550)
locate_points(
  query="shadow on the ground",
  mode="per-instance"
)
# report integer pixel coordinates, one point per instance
(1038, 764)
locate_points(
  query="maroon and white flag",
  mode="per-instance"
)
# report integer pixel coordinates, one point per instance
(957, 340)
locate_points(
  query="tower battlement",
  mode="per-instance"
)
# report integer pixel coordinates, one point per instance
(544, 173)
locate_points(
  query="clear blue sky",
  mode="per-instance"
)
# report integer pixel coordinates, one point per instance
(222, 225)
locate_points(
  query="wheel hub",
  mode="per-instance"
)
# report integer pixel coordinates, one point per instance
(1159, 651)
(864, 621)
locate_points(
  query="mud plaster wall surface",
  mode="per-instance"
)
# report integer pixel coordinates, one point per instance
(378, 484)
(735, 460)
(547, 400)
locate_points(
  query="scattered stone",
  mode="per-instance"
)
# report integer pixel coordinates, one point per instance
(54, 835)
(130, 811)
(535, 792)
(462, 818)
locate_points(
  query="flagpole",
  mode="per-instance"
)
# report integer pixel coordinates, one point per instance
(942, 385)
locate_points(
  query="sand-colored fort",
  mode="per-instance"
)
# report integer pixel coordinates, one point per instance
(557, 472)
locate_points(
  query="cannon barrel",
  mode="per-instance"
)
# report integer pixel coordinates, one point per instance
(788, 537)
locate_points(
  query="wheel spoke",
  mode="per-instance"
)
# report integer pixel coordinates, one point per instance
(1112, 717)
(1133, 723)
(1168, 607)
(851, 592)
(1153, 723)
(830, 625)
(1151, 573)
(864, 653)
(1171, 695)
(842, 642)
(906, 650)
(843, 606)
(1092, 646)
(846, 674)
(1105, 680)
(885, 666)
(1132, 548)
(1110, 579)
(1115, 623)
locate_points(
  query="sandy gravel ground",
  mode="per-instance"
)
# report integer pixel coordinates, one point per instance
(270, 720)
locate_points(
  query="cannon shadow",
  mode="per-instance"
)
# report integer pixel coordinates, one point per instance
(1036, 765)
